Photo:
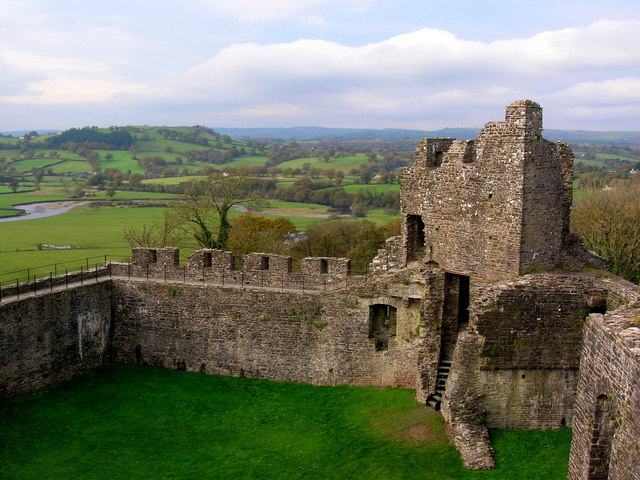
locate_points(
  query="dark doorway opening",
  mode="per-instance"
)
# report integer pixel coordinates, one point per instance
(455, 311)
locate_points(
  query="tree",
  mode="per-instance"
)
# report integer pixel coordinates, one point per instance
(256, 233)
(204, 209)
(14, 185)
(609, 223)
(161, 233)
(357, 240)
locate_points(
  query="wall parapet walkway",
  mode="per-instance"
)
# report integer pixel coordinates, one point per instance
(259, 269)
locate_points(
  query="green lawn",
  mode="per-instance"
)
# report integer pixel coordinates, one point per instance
(126, 422)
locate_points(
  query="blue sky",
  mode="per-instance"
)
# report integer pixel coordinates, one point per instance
(348, 63)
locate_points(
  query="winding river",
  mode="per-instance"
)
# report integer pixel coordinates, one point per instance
(41, 210)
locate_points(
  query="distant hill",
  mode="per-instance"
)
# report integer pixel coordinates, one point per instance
(312, 133)
(20, 133)
(316, 133)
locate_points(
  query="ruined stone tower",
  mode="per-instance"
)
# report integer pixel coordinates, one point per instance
(493, 207)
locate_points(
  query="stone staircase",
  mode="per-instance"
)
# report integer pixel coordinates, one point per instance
(444, 367)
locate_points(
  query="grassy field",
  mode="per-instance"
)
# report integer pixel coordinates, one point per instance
(346, 164)
(126, 421)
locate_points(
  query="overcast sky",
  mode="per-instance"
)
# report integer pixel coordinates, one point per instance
(338, 63)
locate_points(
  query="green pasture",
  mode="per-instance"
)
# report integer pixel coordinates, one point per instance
(173, 180)
(122, 160)
(70, 166)
(374, 187)
(129, 421)
(245, 161)
(25, 166)
(345, 164)
(10, 152)
(90, 231)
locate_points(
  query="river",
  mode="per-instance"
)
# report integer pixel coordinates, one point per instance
(42, 210)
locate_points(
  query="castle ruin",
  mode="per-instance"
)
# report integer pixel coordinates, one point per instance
(486, 305)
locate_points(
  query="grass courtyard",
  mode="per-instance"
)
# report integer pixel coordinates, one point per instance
(133, 422)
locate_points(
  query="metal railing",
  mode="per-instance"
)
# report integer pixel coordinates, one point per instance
(32, 280)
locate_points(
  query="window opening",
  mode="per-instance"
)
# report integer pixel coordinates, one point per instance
(207, 259)
(382, 324)
(415, 237)
(324, 265)
(153, 256)
(602, 434)
(439, 158)
(264, 263)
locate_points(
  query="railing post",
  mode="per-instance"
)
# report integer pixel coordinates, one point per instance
(34, 285)
(165, 273)
(66, 278)
(55, 269)
(96, 273)
(223, 276)
(129, 270)
(110, 271)
(18, 287)
(50, 282)
(147, 272)
(242, 278)
(81, 274)
(28, 275)
(302, 283)
(87, 260)
(184, 274)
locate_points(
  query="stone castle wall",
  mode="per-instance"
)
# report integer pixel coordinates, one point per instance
(313, 337)
(606, 433)
(51, 337)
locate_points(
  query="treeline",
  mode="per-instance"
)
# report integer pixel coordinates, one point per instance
(91, 137)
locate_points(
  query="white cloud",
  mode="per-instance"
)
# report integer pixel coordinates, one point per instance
(415, 79)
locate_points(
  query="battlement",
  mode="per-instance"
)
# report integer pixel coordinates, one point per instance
(259, 269)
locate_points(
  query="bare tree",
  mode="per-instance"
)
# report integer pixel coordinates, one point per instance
(204, 209)
(162, 233)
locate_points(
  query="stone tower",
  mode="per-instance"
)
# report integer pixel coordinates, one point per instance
(494, 207)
